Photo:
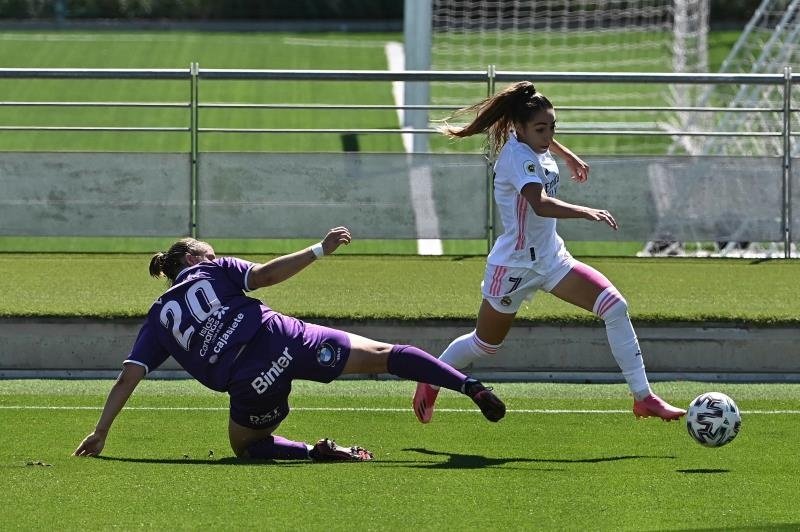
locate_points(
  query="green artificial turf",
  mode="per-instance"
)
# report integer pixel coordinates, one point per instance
(549, 465)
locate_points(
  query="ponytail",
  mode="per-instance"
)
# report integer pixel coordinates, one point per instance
(497, 114)
(157, 264)
(170, 263)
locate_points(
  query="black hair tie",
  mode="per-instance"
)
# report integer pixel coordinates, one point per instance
(529, 91)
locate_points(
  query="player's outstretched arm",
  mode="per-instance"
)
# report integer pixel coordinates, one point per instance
(281, 268)
(577, 167)
(544, 205)
(127, 381)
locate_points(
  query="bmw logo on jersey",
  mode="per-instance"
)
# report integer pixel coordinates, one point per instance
(328, 355)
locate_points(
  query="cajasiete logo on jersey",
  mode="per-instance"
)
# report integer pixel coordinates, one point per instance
(327, 355)
(530, 167)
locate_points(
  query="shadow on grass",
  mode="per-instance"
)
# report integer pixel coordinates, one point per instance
(454, 461)
(228, 460)
(474, 461)
(703, 471)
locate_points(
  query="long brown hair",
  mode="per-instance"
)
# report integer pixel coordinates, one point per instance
(170, 263)
(497, 114)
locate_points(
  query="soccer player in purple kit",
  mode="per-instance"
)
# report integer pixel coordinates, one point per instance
(234, 343)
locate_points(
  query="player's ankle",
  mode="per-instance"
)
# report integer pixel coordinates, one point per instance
(471, 387)
(641, 395)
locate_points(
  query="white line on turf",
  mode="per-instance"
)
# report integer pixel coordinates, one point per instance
(366, 409)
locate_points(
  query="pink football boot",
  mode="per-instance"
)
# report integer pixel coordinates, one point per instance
(424, 399)
(654, 406)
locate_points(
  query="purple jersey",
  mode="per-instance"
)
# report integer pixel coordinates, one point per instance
(203, 321)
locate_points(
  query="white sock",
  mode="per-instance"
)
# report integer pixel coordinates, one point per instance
(465, 350)
(612, 308)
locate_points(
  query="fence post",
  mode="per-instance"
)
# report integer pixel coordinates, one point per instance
(194, 69)
(787, 162)
(490, 233)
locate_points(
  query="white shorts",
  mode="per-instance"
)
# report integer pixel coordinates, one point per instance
(506, 288)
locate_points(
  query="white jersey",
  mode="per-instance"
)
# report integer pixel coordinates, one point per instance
(528, 240)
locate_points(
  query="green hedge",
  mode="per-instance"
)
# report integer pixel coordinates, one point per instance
(203, 9)
(721, 10)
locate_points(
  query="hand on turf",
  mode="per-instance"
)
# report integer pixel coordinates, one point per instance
(91, 445)
(335, 238)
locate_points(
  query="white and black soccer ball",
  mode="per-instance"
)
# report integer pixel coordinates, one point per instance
(713, 419)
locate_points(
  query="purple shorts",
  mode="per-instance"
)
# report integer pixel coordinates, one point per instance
(283, 350)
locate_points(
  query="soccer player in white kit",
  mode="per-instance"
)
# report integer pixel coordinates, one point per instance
(529, 255)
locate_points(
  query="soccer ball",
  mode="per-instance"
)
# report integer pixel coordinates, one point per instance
(713, 419)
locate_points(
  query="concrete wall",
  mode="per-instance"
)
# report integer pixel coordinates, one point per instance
(295, 195)
(78, 347)
(95, 194)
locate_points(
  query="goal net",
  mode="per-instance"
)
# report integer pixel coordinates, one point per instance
(575, 36)
(769, 42)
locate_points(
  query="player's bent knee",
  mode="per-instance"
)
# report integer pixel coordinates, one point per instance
(610, 305)
(242, 438)
(368, 345)
(483, 349)
(367, 361)
(240, 452)
(618, 310)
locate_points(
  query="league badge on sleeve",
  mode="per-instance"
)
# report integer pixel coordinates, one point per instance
(530, 167)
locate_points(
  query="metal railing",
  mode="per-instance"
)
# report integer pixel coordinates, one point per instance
(194, 76)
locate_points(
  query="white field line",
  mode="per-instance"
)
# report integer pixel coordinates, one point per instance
(420, 177)
(396, 61)
(368, 409)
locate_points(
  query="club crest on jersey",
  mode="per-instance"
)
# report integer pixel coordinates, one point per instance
(506, 301)
(328, 356)
(530, 167)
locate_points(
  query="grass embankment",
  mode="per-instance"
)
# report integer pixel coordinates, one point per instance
(412, 288)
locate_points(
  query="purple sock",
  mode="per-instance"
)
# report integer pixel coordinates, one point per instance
(414, 364)
(278, 448)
